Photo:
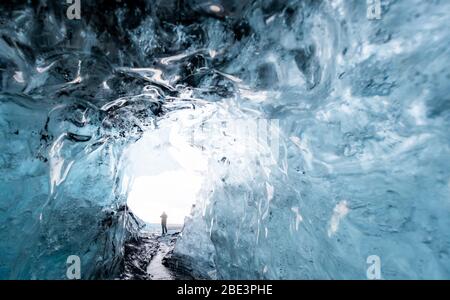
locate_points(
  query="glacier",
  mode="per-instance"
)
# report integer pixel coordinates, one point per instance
(359, 109)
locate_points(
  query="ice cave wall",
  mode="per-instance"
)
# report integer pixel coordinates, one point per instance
(363, 111)
(64, 130)
(364, 115)
(60, 197)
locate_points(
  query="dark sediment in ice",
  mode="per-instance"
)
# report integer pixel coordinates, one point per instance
(148, 257)
(138, 252)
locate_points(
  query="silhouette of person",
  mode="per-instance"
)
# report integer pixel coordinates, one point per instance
(164, 223)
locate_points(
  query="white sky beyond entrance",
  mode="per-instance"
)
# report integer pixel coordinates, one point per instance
(167, 175)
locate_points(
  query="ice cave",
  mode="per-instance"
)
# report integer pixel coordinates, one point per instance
(291, 139)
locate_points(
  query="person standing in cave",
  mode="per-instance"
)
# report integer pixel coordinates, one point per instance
(164, 223)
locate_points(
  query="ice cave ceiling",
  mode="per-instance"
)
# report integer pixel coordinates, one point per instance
(359, 108)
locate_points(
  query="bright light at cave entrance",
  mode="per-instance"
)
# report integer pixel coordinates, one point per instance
(167, 176)
(173, 192)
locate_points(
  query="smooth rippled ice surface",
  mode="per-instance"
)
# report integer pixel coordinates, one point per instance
(360, 108)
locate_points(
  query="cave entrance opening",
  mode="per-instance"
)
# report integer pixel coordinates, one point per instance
(164, 174)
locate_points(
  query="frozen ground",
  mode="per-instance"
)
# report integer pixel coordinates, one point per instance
(145, 258)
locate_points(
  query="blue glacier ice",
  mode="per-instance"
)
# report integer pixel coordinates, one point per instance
(360, 108)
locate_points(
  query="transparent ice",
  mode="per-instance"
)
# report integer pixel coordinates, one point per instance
(362, 114)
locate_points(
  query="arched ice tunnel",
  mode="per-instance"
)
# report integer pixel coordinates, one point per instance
(296, 139)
